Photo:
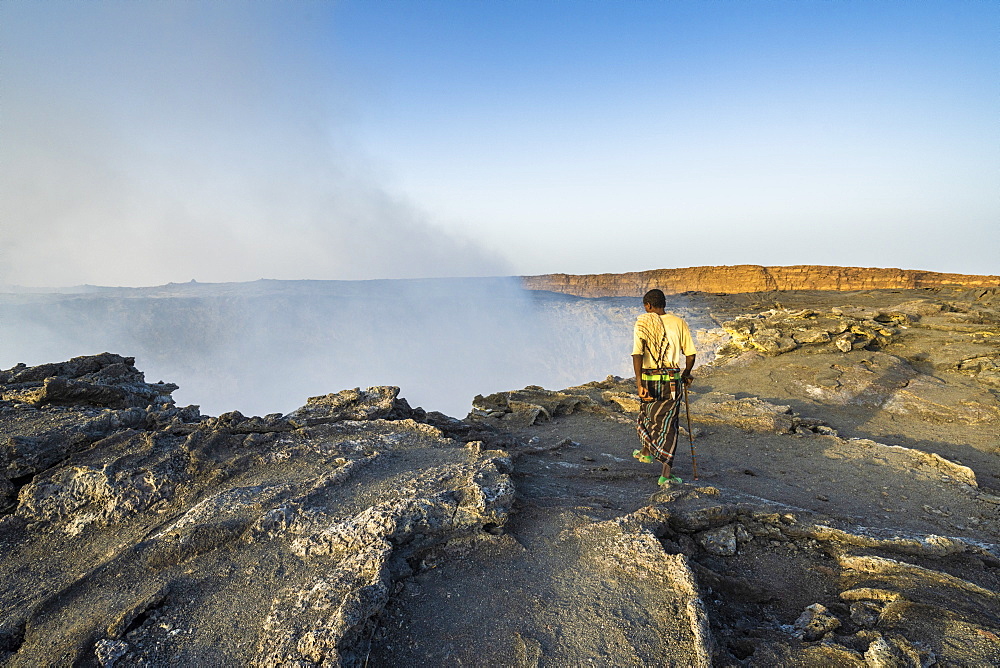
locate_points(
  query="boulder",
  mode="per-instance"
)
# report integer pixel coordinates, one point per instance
(522, 408)
(720, 541)
(815, 622)
(627, 402)
(371, 404)
(750, 413)
(105, 380)
(893, 652)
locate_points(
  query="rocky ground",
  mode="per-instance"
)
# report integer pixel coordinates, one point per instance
(845, 511)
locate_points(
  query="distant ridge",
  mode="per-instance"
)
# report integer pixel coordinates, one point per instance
(750, 278)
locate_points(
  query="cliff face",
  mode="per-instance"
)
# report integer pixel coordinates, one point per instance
(750, 278)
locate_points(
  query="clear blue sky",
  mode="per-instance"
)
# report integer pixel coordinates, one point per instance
(153, 141)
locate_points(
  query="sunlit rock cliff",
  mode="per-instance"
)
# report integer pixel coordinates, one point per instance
(750, 278)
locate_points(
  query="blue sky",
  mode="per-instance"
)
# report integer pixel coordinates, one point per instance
(154, 141)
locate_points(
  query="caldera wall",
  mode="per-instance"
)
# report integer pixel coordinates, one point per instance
(750, 278)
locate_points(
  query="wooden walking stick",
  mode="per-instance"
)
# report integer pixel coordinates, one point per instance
(687, 411)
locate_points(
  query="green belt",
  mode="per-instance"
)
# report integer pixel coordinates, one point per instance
(662, 376)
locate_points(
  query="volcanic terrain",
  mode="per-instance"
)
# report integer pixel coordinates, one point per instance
(844, 511)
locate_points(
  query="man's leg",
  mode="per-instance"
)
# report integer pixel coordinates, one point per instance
(643, 454)
(672, 427)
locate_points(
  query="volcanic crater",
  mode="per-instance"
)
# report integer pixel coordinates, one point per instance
(839, 508)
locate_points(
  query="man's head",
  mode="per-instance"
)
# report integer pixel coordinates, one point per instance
(655, 299)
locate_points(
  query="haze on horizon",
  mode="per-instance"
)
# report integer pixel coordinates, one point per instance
(149, 142)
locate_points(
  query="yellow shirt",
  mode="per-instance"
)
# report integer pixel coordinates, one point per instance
(662, 340)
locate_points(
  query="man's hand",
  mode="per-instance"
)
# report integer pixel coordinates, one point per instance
(637, 367)
(686, 377)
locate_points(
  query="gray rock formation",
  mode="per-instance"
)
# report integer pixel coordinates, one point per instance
(104, 380)
(150, 535)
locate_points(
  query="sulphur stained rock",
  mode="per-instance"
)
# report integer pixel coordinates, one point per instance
(923, 546)
(918, 307)
(908, 578)
(321, 621)
(415, 519)
(780, 331)
(844, 342)
(64, 391)
(870, 594)
(631, 562)
(106, 368)
(933, 465)
(38, 439)
(525, 414)
(772, 342)
(977, 365)
(802, 335)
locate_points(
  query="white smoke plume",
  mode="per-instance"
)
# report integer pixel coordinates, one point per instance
(148, 142)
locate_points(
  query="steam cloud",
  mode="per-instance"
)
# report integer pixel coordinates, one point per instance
(266, 346)
(155, 142)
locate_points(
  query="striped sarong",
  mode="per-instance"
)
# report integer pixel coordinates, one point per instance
(659, 418)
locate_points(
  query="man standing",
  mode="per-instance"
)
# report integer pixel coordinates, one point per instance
(661, 342)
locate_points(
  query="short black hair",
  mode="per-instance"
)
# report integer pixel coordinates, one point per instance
(655, 298)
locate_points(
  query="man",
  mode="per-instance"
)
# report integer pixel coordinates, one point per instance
(661, 342)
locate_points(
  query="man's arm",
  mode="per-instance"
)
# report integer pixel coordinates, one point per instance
(637, 367)
(687, 346)
(688, 365)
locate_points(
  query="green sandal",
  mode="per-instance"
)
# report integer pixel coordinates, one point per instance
(666, 482)
(645, 459)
